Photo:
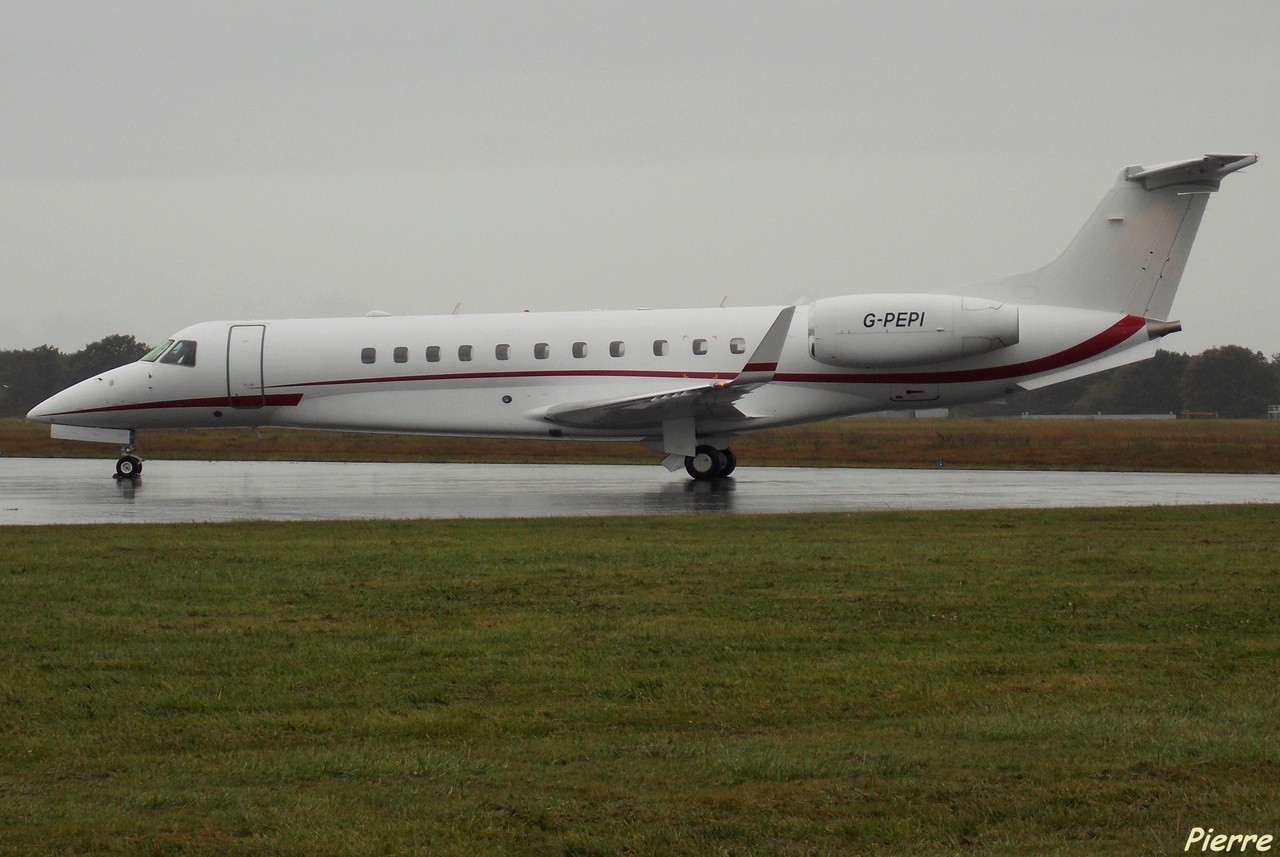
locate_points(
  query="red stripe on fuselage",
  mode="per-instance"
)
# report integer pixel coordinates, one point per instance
(1107, 339)
(274, 400)
(1092, 347)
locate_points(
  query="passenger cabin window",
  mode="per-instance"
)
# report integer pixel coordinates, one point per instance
(464, 353)
(542, 351)
(617, 348)
(660, 348)
(433, 353)
(400, 354)
(737, 345)
(699, 346)
(368, 355)
(183, 353)
(502, 352)
(579, 349)
(154, 353)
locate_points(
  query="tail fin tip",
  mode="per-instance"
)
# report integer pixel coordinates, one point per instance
(1205, 172)
(1129, 255)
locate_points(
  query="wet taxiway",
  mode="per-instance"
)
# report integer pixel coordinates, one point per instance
(81, 491)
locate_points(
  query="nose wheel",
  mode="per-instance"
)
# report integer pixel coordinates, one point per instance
(128, 465)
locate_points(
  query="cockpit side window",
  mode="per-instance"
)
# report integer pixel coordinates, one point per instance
(150, 356)
(183, 353)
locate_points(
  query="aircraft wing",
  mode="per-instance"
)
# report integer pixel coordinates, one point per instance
(706, 400)
(652, 409)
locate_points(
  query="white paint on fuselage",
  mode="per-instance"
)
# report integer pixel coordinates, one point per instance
(453, 396)
(1124, 266)
(319, 360)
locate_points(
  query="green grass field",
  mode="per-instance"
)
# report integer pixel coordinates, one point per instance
(979, 682)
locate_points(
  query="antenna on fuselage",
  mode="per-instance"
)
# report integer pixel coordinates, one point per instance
(457, 310)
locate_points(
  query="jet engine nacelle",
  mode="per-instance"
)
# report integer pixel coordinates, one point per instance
(884, 331)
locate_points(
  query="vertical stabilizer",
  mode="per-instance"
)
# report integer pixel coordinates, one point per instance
(1130, 254)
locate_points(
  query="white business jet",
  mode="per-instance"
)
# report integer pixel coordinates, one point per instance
(684, 382)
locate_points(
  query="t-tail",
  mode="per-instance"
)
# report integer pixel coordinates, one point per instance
(685, 383)
(1130, 255)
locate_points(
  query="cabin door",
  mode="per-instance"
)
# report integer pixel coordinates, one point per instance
(244, 365)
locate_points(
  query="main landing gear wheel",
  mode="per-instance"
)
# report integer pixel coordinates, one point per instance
(730, 462)
(128, 467)
(707, 463)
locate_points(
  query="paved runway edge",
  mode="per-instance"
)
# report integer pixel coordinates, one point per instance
(81, 491)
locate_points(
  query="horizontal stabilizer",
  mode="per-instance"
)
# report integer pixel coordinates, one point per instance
(1206, 172)
(1135, 354)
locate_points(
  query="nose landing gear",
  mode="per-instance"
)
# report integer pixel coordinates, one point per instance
(128, 465)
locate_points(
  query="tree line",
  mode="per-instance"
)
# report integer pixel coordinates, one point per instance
(1229, 381)
(29, 377)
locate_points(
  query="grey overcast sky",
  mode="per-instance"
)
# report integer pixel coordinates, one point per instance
(168, 162)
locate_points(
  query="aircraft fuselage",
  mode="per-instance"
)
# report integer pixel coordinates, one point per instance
(685, 382)
(496, 375)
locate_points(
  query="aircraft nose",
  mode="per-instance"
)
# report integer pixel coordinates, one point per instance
(43, 412)
(67, 402)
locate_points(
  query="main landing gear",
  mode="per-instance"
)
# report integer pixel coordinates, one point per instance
(128, 465)
(709, 463)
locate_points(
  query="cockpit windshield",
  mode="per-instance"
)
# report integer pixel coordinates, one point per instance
(150, 356)
(183, 353)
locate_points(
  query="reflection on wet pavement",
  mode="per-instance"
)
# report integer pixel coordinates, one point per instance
(51, 491)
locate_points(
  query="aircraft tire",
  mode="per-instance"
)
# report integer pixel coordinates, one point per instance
(707, 462)
(128, 467)
(730, 462)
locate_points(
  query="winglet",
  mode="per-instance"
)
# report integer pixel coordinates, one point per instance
(763, 362)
